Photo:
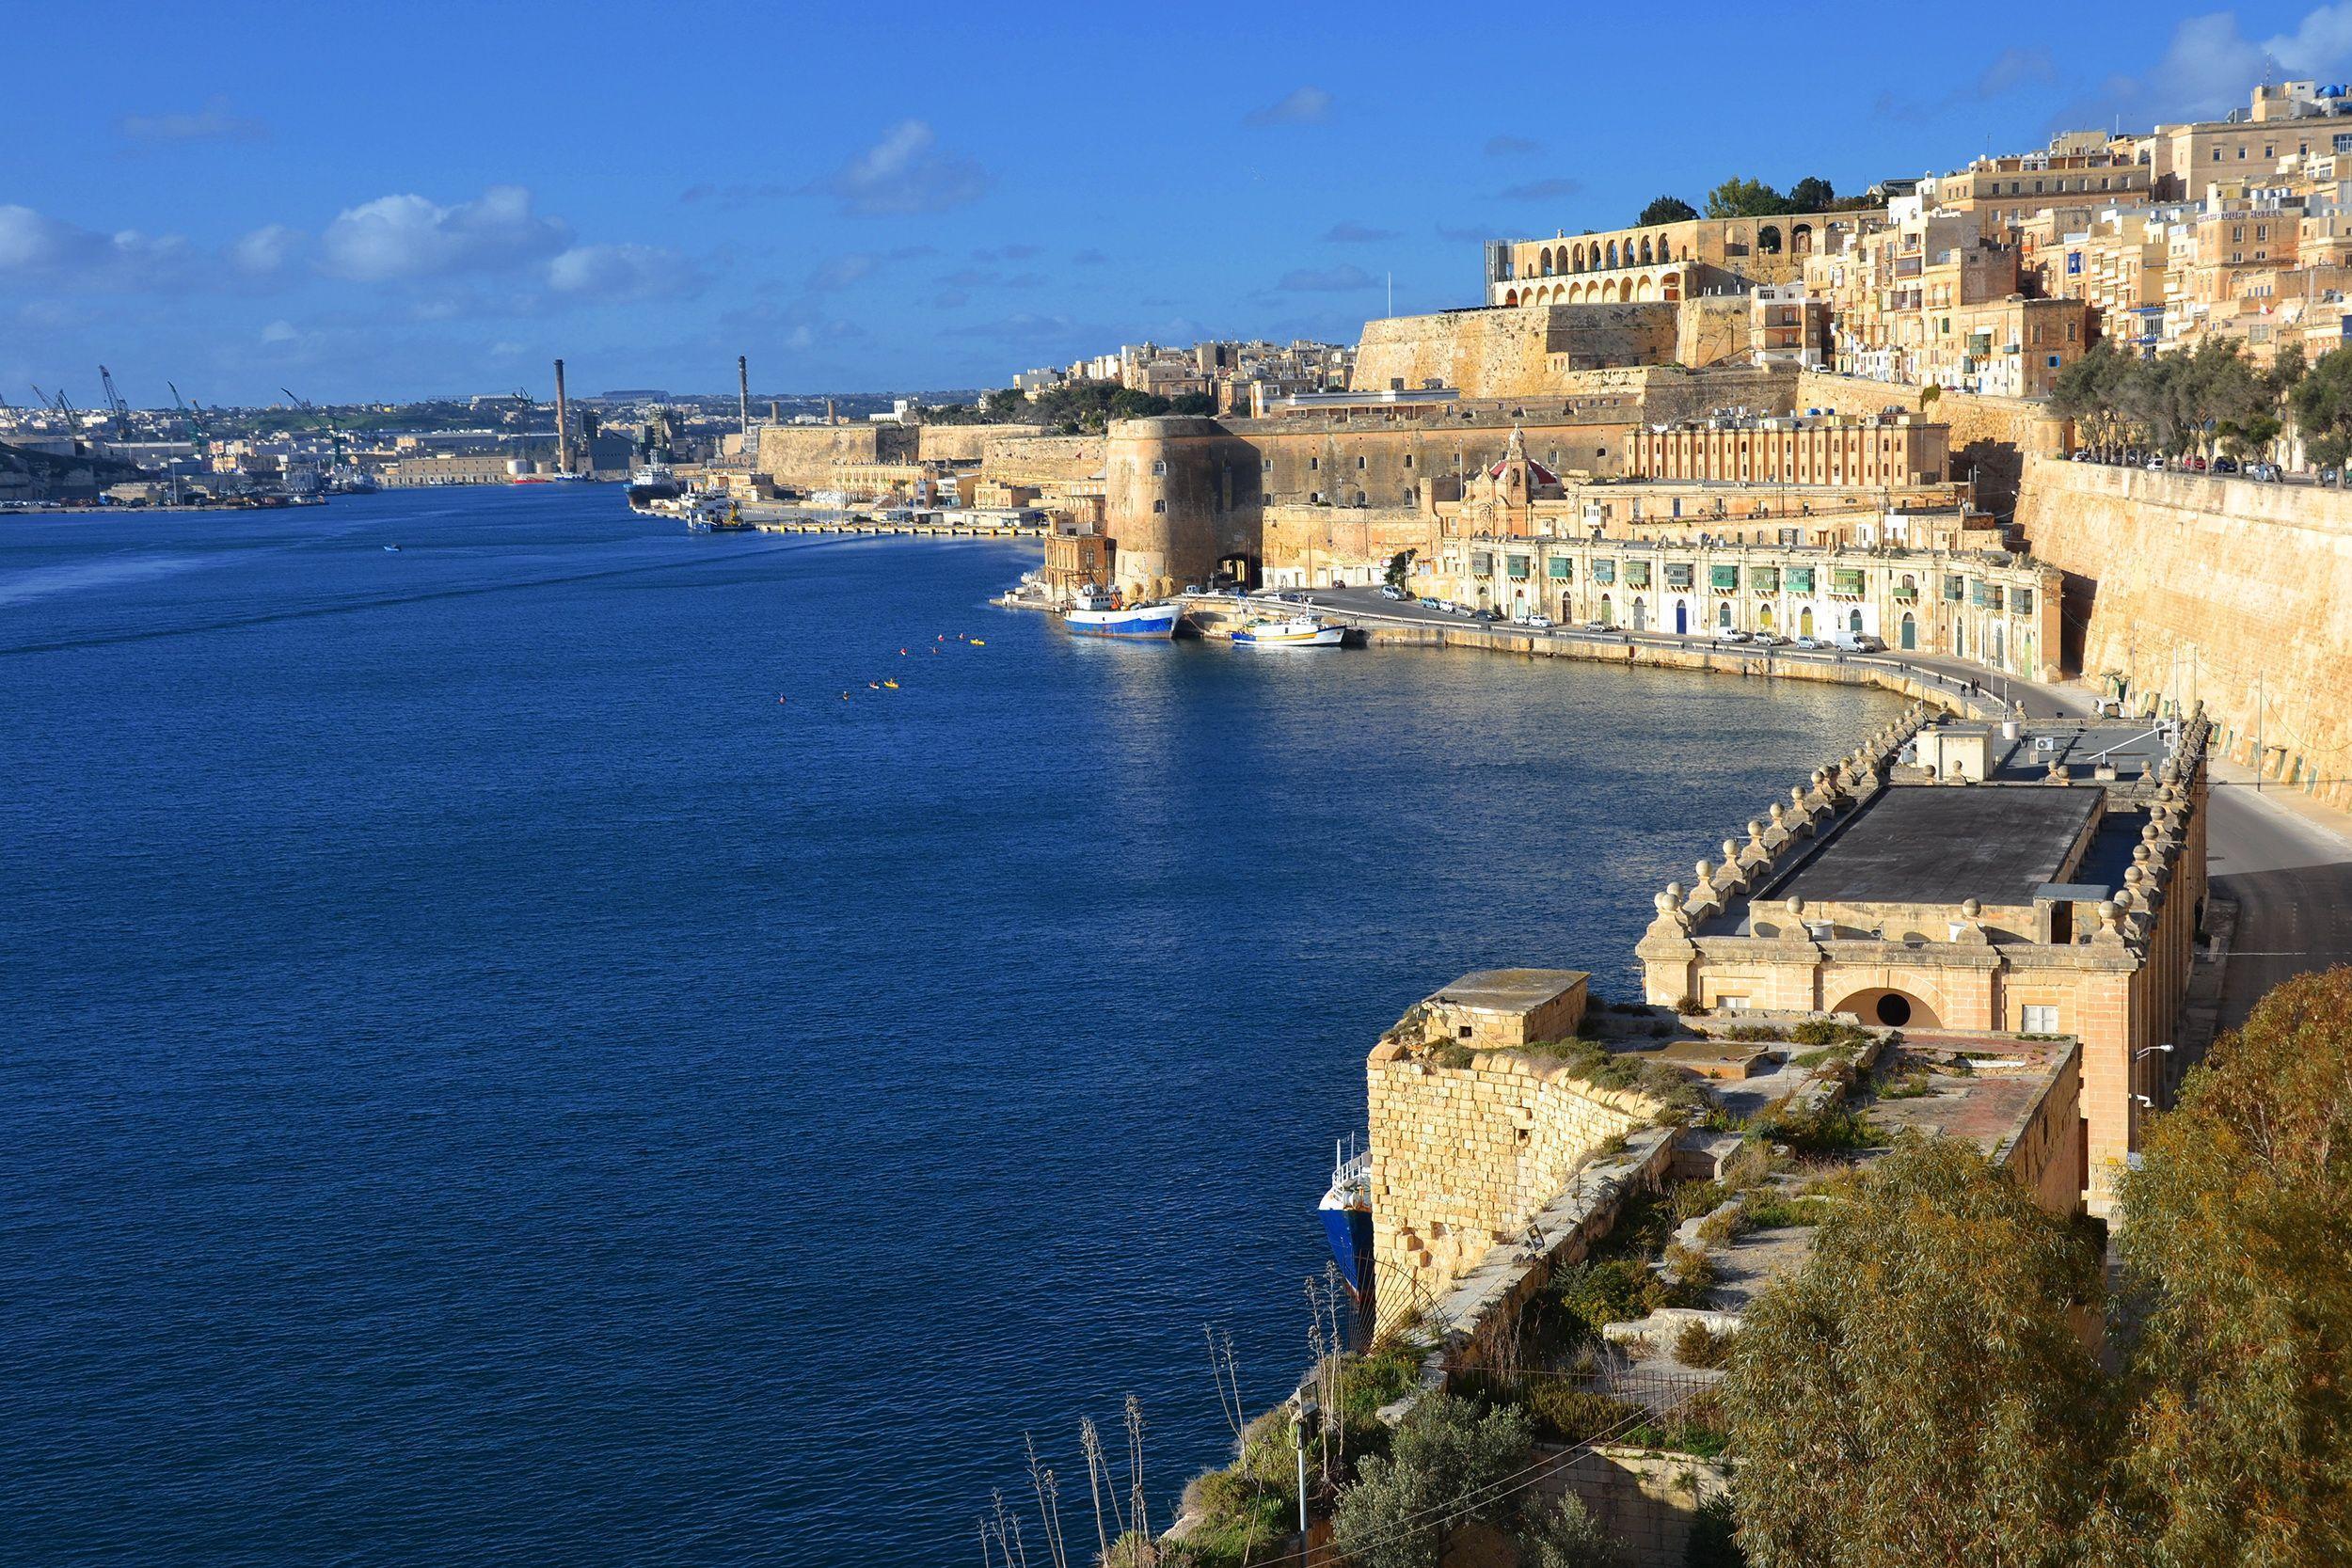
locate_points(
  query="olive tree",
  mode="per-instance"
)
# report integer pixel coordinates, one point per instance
(1454, 1461)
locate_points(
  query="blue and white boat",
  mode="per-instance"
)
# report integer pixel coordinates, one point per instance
(1100, 614)
(1347, 1210)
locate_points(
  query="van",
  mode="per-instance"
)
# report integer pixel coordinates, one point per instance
(1855, 643)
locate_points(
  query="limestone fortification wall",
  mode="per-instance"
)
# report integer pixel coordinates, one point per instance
(1992, 437)
(804, 455)
(1711, 330)
(1463, 1157)
(2218, 590)
(1039, 459)
(967, 443)
(1507, 352)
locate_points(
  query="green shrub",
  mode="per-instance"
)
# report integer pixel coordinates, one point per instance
(1693, 1198)
(1847, 1038)
(1567, 1413)
(1453, 1054)
(1717, 1229)
(1755, 1032)
(1773, 1211)
(1700, 1346)
(1689, 1270)
(1620, 1290)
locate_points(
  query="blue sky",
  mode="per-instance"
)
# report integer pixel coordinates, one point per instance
(401, 201)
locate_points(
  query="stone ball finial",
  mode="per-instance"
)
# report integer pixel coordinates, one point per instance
(1705, 870)
(1676, 892)
(1972, 907)
(1780, 813)
(1755, 828)
(1731, 850)
(1667, 901)
(1796, 795)
(1795, 906)
(2141, 855)
(2110, 913)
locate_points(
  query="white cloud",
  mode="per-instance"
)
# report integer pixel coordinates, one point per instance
(2211, 67)
(30, 242)
(37, 247)
(265, 251)
(280, 331)
(623, 272)
(399, 237)
(215, 122)
(1301, 106)
(904, 173)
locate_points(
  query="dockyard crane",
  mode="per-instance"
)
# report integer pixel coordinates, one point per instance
(334, 432)
(189, 418)
(118, 410)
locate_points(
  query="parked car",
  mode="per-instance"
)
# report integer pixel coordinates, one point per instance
(1807, 642)
(2153, 465)
(1769, 640)
(1596, 625)
(1388, 592)
(2225, 465)
(1730, 634)
(1483, 615)
(1539, 623)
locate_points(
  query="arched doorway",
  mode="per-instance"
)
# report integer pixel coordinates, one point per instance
(1896, 1010)
(1910, 630)
(1804, 622)
(1723, 613)
(1641, 613)
(1518, 604)
(1997, 641)
(1959, 639)
(1510, 296)
(1485, 597)
(1608, 611)
(1764, 617)
(1567, 607)
(1682, 618)
(1853, 623)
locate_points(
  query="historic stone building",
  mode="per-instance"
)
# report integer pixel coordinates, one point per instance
(2041, 879)
(1666, 262)
(1901, 450)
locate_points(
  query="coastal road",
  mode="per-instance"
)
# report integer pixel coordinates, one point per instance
(2285, 862)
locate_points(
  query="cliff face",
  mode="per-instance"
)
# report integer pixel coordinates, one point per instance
(2222, 590)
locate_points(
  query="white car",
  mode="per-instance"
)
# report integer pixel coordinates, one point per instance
(1538, 622)
(1730, 634)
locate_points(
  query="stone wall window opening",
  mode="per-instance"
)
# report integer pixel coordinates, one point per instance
(1159, 506)
(1159, 467)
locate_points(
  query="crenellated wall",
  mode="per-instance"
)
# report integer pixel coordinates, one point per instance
(2215, 590)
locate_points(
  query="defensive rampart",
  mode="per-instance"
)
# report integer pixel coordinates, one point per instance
(1508, 352)
(2220, 589)
(1039, 459)
(804, 455)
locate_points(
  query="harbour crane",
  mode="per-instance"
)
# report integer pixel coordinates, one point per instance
(334, 432)
(118, 410)
(189, 418)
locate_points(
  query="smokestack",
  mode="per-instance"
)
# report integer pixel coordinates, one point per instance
(562, 424)
(743, 395)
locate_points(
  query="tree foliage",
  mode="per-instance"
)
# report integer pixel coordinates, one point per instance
(1739, 198)
(1917, 1392)
(2211, 399)
(2239, 1231)
(2322, 400)
(1454, 1461)
(1666, 209)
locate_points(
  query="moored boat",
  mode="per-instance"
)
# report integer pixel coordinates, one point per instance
(1347, 1210)
(1100, 614)
(1298, 631)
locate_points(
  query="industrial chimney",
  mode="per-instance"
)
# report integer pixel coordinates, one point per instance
(744, 396)
(562, 424)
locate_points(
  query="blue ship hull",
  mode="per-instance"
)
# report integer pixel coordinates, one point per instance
(1349, 1231)
(1154, 623)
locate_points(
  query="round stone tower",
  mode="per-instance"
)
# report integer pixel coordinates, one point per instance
(1180, 495)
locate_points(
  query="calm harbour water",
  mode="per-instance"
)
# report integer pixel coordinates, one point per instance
(484, 1080)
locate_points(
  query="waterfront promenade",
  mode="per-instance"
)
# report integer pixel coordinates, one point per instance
(2283, 859)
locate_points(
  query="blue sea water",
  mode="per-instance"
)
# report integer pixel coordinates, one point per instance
(499, 1063)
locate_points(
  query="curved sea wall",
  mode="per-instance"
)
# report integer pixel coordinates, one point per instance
(2219, 590)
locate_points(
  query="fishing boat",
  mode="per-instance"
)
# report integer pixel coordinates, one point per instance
(1347, 1210)
(1298, 631)
(1100, 614)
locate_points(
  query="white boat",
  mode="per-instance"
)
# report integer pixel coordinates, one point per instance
(1299, 631)
(1100, 614)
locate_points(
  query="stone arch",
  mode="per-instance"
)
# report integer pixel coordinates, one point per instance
(1801, 239)
(1643, 290)
(1647, 257)
(1768, 240)
(1853, 623)
(1608, 291)
(1580, 259)
(1670, 288)
(1612, 254)
(1805, 621)
(1547, 262)
(1641, 613)
(1608, 611)
(1892, 1008)
(1510, 296)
